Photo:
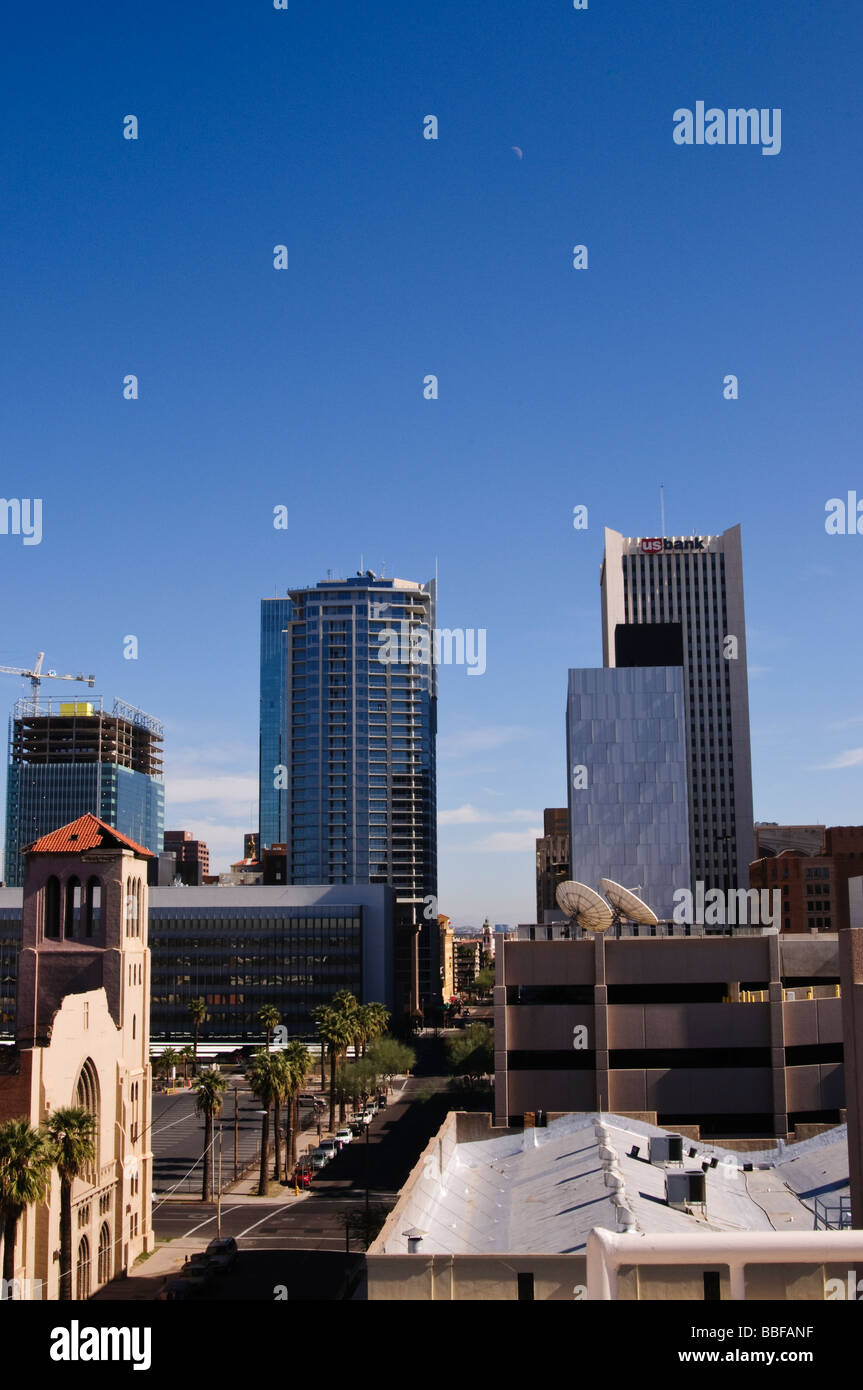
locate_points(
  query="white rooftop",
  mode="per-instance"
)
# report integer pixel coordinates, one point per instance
(542, 1191)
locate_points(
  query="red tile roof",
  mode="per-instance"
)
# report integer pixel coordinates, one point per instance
(87, 832)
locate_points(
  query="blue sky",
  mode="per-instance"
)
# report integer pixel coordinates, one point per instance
(407, 257)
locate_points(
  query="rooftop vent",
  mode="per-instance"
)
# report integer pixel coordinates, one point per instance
(685, 1190)
(666, 1149)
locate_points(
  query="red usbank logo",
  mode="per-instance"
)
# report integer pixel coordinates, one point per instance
(653, 545)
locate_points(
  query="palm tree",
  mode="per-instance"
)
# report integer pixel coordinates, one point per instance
(210, 1086)
(26, 1160)
(265, 1082)
(71, 1131)
(186, 1056)
(334, 1031)
(198, 1010)
(280, 1093)
(379, 1018)
(296, 1060)
(270, 1018)
(169, 1058)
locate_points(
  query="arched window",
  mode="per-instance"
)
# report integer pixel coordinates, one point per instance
(131, 907)
(73, 907)
(104, 1253)
(82, 1289)
(52, 906)
(87, 1096)
(94, 906)
(140, 907)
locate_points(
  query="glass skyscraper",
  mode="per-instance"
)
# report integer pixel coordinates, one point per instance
(628, 795)
(347, 743)
(69, 757)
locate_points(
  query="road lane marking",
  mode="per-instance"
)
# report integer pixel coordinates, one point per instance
(209, 1219)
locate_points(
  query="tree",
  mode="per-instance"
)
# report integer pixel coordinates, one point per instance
(265, 1082)
(198, 1011)
(186, 1056)
(210, 1086)
(296, 1061)
(484, 980)
(26, 1159)
(71, 1131)
(334, 1031)
(471, 1053)
(375, 1019)
(281, 1085)
(270, 1018)
(389, 1057)
(169, 1058)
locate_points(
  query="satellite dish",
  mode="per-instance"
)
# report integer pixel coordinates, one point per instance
(580, 902)
(627, 905)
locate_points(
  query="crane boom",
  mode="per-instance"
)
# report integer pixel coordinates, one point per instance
(36, 675)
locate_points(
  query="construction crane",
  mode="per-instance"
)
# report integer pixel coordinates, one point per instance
(36, 676)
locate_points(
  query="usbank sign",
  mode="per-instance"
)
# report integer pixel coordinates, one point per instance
(654, 544)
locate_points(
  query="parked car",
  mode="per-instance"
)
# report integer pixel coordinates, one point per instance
(318, 1160)
(198, 1271)
(303, 1175)
(382, 1102)
(223, 1253)
(343, 1136)
(357, 1128)
(329, 1146)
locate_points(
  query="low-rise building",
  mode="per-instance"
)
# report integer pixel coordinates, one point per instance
(82, 1039)
(598, 1206)
(811, 873)
(738, 1035)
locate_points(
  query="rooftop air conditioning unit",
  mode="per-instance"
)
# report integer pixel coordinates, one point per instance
(685, 1190)
(666, 1148)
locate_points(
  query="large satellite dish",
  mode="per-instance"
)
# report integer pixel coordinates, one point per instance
(580, 902)
(627, 905)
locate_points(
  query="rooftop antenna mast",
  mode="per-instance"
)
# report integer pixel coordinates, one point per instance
(661, 510)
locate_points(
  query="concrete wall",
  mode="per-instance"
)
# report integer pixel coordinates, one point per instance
(475, 1278)
(762, 1085)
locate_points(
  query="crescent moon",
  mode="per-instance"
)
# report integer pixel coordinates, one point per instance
(519, 152)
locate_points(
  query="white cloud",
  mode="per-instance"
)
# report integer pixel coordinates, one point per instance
(852, 757)
(508, 842)
(222, 787)
(480, 740)
(471, 815)
(847, 723)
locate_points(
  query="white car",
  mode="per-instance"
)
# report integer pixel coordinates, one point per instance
(343, 1136)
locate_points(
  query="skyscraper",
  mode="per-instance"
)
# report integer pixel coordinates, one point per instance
(68, 758)
(348, 727)
(628, 800)
(679, 601)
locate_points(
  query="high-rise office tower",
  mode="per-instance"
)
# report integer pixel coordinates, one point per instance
(628, 796)
(67, 758)
(348, 727)
(679, 601)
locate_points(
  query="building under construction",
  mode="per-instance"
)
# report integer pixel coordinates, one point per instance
(67, 757)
